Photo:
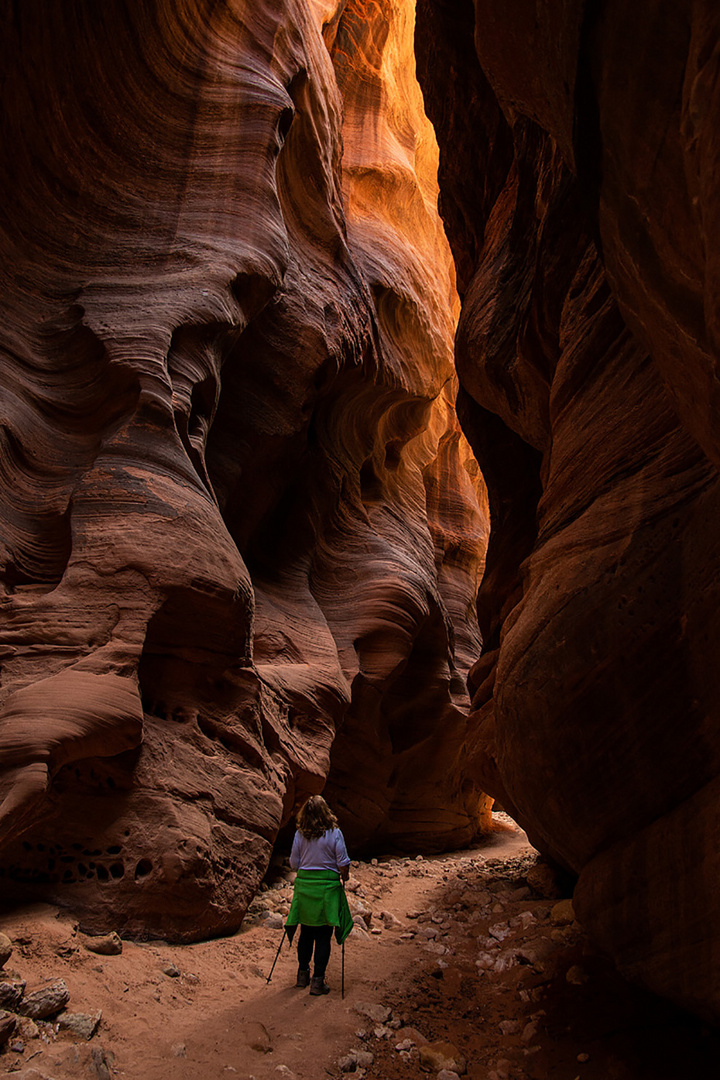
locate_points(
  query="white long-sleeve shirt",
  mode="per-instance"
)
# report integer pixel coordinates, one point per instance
(326, 853)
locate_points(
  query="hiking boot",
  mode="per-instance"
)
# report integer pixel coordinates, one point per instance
(318, 986)
(303, 977)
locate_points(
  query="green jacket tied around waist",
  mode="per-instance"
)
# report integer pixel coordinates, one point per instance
(319, 900)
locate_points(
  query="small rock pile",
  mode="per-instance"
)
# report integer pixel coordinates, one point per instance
(410, 1045)
(272, 903)
(494, 924)
(42, 1013)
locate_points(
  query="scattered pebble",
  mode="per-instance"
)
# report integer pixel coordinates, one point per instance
(442, 1055)
(390, 920)
(356, 1059)
(486, 961)
(102, 1061)
(502, 1069)
(562, 914)
(255, 1036)
(27, 1029)
(520, 894)
(379, 1013)
(8, 1023)
(46, 1001)
(103, 944)
(412, 1035)
(11, 994)
(6, 949)
(543, 880)
(84, 1025)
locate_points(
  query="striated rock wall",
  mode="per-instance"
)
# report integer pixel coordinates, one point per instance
(237, 511)
(579, 160)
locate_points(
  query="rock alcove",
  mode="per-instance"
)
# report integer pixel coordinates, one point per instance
(243, 533)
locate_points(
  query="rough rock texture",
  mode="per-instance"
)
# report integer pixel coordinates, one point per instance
(236, 506)
(579, 170)
(46, 1001)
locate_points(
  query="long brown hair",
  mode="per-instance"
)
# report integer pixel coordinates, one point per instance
(315, 818)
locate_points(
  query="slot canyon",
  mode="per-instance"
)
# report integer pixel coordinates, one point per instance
(360, 435)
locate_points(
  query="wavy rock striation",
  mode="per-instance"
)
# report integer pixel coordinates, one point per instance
(578, 194)
(237, 511)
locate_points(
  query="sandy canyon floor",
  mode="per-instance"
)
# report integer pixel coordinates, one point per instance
(460, 950)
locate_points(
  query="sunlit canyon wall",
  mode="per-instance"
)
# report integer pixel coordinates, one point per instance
(580, 162)
(237, 512)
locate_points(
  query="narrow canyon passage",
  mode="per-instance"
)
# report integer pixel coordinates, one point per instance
(359, 384)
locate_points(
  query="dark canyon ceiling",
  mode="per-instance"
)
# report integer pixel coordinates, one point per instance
(242, 533)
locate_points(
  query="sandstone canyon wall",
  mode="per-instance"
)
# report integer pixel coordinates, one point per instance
(239, 521)
(579, 168)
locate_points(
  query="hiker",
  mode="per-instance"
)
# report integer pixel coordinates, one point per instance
(319, 903)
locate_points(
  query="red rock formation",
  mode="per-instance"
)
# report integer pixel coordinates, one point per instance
(579, 159)
(236, 506)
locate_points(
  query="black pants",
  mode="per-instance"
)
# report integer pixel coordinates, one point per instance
(318, 937)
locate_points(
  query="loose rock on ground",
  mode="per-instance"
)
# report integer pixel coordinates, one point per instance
(522, 1002)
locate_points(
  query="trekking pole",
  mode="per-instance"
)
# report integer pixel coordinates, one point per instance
(342, 969)
(282, 939)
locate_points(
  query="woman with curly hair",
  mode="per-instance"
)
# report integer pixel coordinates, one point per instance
(319, 903)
